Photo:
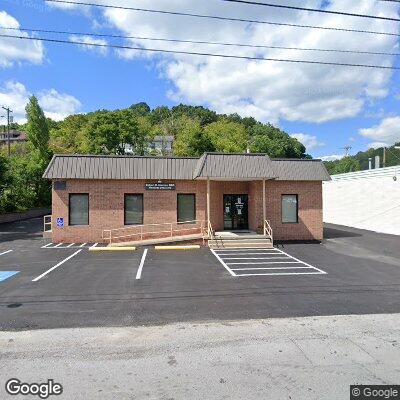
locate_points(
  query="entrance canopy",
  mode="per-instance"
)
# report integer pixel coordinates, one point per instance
(234, 167)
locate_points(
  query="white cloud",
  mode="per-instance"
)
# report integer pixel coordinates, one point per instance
(377, 145)
(386, 132)
(54, 104)
(58, 105)
(17, 50)
(267, 90)
(89, 39)
(333, 157)
(309, 141)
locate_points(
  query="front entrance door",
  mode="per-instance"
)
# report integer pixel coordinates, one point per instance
(236, 212)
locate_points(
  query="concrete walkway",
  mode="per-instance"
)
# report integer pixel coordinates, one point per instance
(294, 358)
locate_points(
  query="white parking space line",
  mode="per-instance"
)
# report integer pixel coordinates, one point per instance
(222, 262)
(266, 262)
(261, 261)
(94, 245)
(245, 249)
(82, 245)
(282, 273)
(139, 271)
(70, 245)
(6, 252)
(46, 245)
(56, 266)
(308, 265)
(243, 254)
(263, 268)
(58, 245)
(255, 258)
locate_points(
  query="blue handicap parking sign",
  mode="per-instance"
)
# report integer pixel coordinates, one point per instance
(60, 222)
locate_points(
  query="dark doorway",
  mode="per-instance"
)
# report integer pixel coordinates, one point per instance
(236, 216)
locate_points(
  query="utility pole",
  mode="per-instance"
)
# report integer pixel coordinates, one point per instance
(8, 129)
(347, 150)
(384, 157)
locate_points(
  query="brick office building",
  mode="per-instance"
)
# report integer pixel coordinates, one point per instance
(133, 198)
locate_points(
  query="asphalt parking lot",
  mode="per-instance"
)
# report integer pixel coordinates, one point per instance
(44, 286)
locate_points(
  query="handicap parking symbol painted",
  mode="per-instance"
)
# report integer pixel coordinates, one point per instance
(60, 222)
(7, 274)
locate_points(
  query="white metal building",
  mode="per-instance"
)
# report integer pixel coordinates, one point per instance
(366, 199)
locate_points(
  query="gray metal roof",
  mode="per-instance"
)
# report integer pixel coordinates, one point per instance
(210, 165)
(119, 167)
(300, 170)
(234, 166)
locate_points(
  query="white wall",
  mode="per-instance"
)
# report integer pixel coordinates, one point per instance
(366, 200)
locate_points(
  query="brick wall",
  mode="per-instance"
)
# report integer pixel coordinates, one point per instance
(106, 203)
(106, 206)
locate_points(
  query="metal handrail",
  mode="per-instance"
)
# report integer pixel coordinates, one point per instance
(141, 230)
(47, 221)
(268, 230)
(210, 231)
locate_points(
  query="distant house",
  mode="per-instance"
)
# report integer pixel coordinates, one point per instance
(160, 145)
(15, 137)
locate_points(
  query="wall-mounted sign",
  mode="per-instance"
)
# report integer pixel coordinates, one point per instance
(160, 186)
(60, 222)
(60, 185)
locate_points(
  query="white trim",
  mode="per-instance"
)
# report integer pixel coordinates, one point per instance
(56, 266)
(5, 252)
(222, 262)
(139, 271)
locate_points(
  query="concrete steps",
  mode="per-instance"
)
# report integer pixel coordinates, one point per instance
(248, 241)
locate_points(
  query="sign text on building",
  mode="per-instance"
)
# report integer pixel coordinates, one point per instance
(160, 186)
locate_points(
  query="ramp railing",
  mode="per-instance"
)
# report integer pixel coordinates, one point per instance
(153, 231)
(268, 230)
(47, 223)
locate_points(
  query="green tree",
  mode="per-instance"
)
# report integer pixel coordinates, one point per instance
(202, 114)
(69, 136)
(190, 139)
(226, 136)
(141, 109)
(266, 138)
(107, 132)
(346, 164)
(37, 127)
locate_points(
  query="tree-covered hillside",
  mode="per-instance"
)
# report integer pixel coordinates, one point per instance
(195, 129)
(360, 161)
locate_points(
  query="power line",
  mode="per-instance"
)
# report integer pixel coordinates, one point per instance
(317, 10)
(201, 53)
(104, 35)
(215, 17)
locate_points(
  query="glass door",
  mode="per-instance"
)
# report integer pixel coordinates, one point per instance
(236, 212)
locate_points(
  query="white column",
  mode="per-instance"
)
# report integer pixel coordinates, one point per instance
(208, 201)
(264, 203)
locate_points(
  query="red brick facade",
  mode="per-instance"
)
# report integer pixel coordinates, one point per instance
(106, 206)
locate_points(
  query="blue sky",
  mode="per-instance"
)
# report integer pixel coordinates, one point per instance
(325, 107)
